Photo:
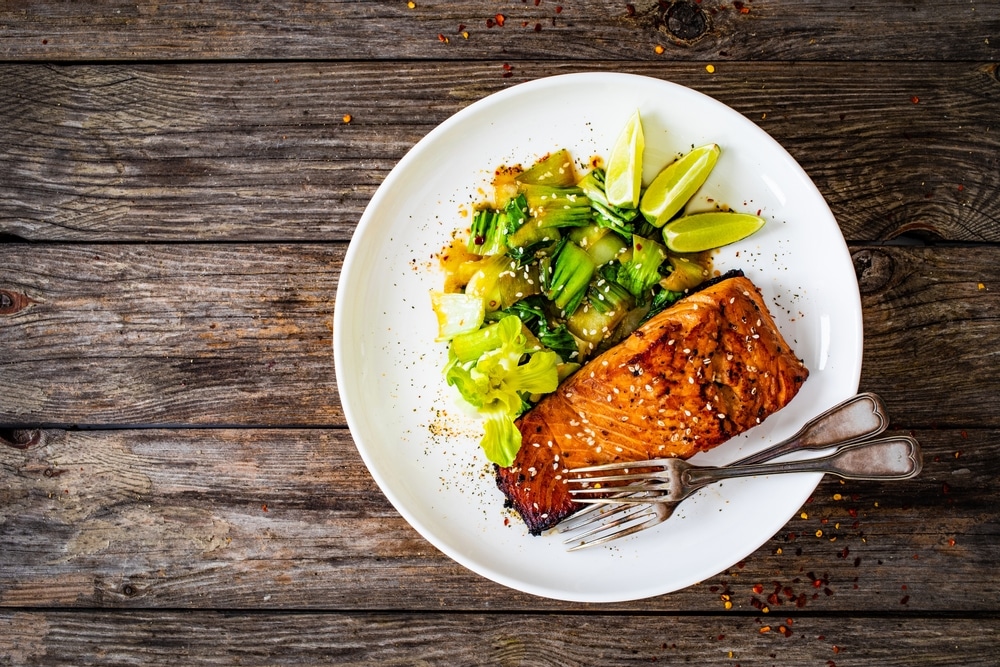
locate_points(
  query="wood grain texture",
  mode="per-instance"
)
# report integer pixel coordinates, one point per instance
(240, 334)
(170, 334)
(290, 519)
(207, 638)
(608, 29)
(261, 152)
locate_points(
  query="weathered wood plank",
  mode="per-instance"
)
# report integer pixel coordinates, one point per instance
(215, 334)
(261, 151)
(218, 334)
(208, 638)
(751, 30)
(290, 519)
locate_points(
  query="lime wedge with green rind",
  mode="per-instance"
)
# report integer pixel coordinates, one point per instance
(677, 183)
(623, 178)
(705, 231)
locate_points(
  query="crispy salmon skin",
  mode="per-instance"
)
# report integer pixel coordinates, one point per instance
(702, 371)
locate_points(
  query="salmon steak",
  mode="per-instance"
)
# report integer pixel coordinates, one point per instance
(702, 371)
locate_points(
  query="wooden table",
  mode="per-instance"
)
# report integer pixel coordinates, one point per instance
(178, 185)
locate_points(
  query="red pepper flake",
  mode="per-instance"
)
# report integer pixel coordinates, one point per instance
(915, 99)
(836, 649)
(951, 542)
(499, 18)
(758, 588)
(629, 10)
(538, 27)
(442, 38)
(558, 9)
(264, 507)
(490, 23)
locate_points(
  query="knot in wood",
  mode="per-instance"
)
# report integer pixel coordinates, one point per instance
(685, 20)
(11, 302)
(873, 268)
(20, 438)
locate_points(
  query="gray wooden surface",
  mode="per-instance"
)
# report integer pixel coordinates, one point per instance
(178, 186)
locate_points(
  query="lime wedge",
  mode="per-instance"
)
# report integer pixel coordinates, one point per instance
(677, 183)
(623, 180)
(704, 231)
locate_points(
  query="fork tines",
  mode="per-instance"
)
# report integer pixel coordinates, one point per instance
(601, 523)
(593, 489)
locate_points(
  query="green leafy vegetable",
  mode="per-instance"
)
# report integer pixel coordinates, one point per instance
(640, 271)
(495, 372)
(571, 271)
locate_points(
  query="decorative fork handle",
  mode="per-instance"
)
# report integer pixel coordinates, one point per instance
(892, 458)
(859, 417)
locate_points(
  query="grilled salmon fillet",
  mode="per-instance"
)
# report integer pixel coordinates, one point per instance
(707, 368)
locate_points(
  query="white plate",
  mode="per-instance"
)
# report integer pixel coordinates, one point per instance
(421, 446)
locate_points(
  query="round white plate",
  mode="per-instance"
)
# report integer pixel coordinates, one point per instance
(421, 446)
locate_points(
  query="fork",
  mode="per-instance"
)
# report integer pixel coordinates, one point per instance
(659, 485)
(860, 416)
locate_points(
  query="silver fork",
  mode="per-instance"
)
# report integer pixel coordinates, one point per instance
(857, 418)
(658, 486)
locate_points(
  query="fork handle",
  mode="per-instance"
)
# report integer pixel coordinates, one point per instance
(892, 458)
(859, 417)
